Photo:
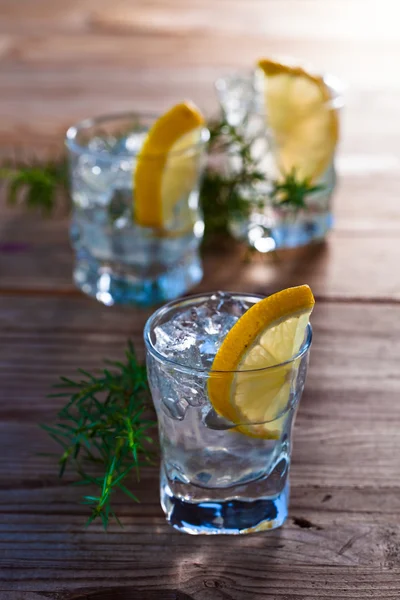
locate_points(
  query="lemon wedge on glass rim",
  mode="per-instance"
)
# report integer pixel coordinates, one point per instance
(266, 337)
(167, 165)
(301, 117)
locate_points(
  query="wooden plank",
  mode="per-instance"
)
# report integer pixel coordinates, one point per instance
(346, 20)
(369, 122)
(343, 526)
(354, 20)
(42, 15)
(345, 267)
(188, 49)
(59, 540)
(45, 547)
(224, 579)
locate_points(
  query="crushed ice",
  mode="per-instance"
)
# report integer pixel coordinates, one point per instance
(193, 337)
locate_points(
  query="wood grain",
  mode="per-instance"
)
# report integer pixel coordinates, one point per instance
(62, 61)
(345, 491)
(348, 266)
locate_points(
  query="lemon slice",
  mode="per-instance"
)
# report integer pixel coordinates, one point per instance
(167, 166)
(268, 334)
(304, 125)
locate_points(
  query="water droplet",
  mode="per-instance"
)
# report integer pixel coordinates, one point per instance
(176, 409)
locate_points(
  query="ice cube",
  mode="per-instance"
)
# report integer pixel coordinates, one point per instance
(193, 392)
(236, 96)
(208, 349)
(97, 173)
(229, 306)
(101, 144)
(188, 320)
(171, 339)
(178, 344)
(211, 326)
(193, 337)
(175, 407)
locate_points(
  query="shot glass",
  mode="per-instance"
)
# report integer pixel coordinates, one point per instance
(269, 224)
(218, 477)
(118, 259)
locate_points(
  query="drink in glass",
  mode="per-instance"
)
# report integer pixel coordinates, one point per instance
(289, 117)
(127, 251)
(221, 471)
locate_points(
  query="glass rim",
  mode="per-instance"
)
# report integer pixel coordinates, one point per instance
(184, 368)
(74, 130)
(334, 83)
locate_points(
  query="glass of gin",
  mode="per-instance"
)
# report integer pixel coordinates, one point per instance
(289, 119)
(130, 247)
(219, 476)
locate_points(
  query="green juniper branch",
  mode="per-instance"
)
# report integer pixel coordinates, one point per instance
(37, 185)
(103, 431)
(222, 192)
(292, 191)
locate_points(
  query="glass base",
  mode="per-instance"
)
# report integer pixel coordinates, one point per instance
(118, 284)
(229, 517)
(302, 231)
(265, 236)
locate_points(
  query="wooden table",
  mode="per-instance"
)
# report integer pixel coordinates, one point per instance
(64, 60)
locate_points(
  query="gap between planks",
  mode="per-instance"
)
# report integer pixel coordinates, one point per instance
(75, 293)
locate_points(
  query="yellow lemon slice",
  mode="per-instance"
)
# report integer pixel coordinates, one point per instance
(268, 334)
(167, 166)
(300, 114)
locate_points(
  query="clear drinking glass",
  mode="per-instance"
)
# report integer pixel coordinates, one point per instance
(272, 227)
(217, 476)
(116, 259)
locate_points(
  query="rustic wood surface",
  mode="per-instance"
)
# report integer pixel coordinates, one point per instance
(62, 61)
